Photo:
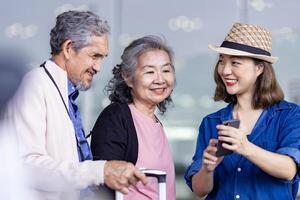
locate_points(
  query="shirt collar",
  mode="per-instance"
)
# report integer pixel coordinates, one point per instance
(281, 105)
(72, 91)
(223, 114)
(226, 113)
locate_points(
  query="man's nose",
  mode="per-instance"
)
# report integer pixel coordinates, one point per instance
(97, 66)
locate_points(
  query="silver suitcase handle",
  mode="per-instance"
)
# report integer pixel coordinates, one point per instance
(161, 179)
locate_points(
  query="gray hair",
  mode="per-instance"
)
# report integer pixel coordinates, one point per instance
(77, 26)
(117, 88)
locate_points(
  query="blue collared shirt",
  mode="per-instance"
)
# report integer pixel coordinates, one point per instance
(277, 130)
(83, 148)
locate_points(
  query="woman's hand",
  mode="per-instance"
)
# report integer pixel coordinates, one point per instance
(235, 139)
(209, 159)
(203, 180)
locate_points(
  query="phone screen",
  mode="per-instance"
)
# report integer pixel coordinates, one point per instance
(221, 151)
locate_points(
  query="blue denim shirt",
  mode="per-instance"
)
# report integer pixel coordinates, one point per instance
(277, 130)
(83, 148)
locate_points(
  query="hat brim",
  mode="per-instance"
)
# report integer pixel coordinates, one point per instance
(234, 52)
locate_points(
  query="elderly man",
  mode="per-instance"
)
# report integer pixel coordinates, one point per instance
(47, 123)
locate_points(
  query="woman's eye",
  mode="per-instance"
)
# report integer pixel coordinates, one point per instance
(166, 71)
(220, 62)
(235, 63)
(149, 72)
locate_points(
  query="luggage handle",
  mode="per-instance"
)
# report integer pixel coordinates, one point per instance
(161, 179)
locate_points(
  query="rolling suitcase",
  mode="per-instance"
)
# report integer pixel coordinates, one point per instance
(161, 179)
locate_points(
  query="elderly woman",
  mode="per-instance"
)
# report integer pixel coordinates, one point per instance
(261, 157)
(128, 128)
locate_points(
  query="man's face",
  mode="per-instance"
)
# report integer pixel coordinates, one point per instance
(82, 65)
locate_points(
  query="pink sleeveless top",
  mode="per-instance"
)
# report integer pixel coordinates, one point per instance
(154, 153)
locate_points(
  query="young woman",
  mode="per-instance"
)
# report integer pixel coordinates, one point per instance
(266, 146)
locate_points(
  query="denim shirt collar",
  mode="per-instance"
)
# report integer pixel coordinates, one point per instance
(223, 114)
(72, 91)
(226, 113)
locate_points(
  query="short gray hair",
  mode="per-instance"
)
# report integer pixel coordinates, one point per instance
(77, 26)
(117, 88)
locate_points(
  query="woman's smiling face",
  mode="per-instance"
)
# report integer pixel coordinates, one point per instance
(154, 78)
(238, 73)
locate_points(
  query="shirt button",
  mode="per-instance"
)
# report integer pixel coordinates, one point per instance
(237, 196)
(239, 169)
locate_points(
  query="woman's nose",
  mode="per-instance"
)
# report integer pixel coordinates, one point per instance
(159, 78)
(226, 69)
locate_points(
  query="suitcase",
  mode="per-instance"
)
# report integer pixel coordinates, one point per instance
(161, 179)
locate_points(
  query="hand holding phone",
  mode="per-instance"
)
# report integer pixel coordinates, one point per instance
(222, 151)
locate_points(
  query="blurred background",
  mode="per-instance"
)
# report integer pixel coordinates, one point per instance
(188, 26)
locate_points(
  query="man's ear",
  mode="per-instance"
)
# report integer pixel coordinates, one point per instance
(67, 48)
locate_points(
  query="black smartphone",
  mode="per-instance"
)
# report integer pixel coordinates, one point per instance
(221, 151)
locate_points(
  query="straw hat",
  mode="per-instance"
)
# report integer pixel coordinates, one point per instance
(247, 40)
